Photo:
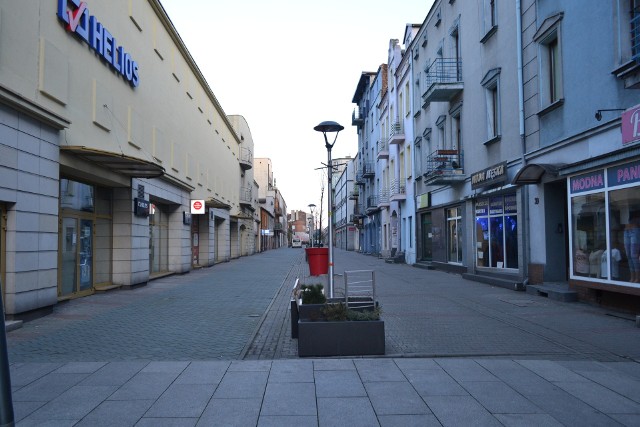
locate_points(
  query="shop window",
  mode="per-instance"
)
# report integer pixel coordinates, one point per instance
(497, 232)
(588, 217)
(454, 235)
(622, 262)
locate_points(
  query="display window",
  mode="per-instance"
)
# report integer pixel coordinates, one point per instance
(605, 224)
(497, 232)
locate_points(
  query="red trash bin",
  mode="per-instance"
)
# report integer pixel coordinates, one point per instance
(318, 259)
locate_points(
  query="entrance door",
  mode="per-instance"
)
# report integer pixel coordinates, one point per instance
(195, 241)
(76, 255)
(426, 237)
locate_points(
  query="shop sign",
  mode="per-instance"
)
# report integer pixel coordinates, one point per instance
(78, 21)
(489, 176)
(496, 206)
(510, 204)
(482, 207)
(197, 207)
(587, 182)
(423, 201)
(141, 207)
(631, 125)
(628, 173)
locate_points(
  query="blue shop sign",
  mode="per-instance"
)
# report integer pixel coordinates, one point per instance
(77, 20)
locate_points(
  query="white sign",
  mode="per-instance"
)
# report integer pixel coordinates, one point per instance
(197, 207)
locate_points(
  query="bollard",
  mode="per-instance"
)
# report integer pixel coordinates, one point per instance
(6, 405)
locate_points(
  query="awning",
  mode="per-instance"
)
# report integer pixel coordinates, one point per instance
(120, 163)
(533, 173)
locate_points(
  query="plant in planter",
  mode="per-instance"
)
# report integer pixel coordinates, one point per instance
(342, 332)
(312, 294)
(307, 302)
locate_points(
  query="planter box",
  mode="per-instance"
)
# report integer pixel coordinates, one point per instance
(313, 312)
(347, 338)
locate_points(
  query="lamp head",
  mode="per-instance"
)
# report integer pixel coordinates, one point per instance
(329, 126)
(598, 115)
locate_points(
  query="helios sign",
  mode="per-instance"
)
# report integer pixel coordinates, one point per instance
(77, 20)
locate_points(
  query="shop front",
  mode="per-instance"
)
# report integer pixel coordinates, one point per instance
(604, 211)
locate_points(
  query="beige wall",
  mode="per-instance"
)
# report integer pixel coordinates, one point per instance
(171, 118)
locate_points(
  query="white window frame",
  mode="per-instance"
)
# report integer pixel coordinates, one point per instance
(550, 71)
(491, 84)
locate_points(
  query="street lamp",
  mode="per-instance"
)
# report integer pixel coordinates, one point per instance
(312, 208)
(328, 127)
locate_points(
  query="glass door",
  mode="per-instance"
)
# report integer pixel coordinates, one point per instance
(76, 254)
(427, 237)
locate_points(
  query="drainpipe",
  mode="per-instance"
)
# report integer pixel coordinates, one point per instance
(525, 188)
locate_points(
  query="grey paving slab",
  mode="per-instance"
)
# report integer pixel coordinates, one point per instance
(73, 404)
(288, 421)
(116, 413)
(48, 423)
(22, 410)
(182, 401)
(210, 372)
(237, 385)
(339, 384)
(291, 371)
(333, 365)
(378, 370)
(289, 399)
(408, 421)
(48, 387)
(250, 366)
(551, 371)
(144, 386)
(114, 373)
(395, 398)
(498, 398)
(630, 420)
(349, 411)
(23, 374)
(601, 398)
(416, 364)
(79, 367)
(518, 377)
(616, 382)
(528, 420)
(231, 412)
(167, 422)
(434, 382)
(571, 411)
(165, 367)
(460, 411)
(465, 370)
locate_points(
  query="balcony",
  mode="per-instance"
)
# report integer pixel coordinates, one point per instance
(444, 167)
(353, 194)
(277, 211)
(443, 80)
(397, 191)
(397, 133)
(383, 198)
(246, 198)
(383, 149)
(277, 226)
(246, 158)
(372, 204)
(368, 171)
(360, 178)
(357, 118)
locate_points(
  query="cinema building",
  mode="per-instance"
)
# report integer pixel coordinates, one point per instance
(117, 163)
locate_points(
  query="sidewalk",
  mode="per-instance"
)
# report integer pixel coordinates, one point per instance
(212, 348)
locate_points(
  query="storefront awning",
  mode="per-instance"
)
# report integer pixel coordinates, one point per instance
(120, 163)
(533, 173)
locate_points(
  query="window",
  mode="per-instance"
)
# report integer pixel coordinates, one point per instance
(454, 235)
(497, 232)
(490, 19)
(549, 40)
(442, 143)
(409, 163)
(491, 83)
(635, 30)
(407, 100)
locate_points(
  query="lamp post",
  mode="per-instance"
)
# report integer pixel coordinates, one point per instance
(312, 208)
(329, 127)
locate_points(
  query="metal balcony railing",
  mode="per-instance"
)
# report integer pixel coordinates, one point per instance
(372, 202)
(444, 167)
(246, 195)
(368, 171)
(246, 158)
(397, 189)
(396, 133)
(443, 79)
(383, 197)
(383, 149)
(357, 118)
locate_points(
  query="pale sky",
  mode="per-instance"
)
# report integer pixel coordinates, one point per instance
(286, 66)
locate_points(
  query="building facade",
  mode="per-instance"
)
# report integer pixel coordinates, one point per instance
(581, 168)
(346, 236)
(273, 224)
(99, 185)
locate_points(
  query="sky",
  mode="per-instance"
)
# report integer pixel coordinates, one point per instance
(286, 66)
